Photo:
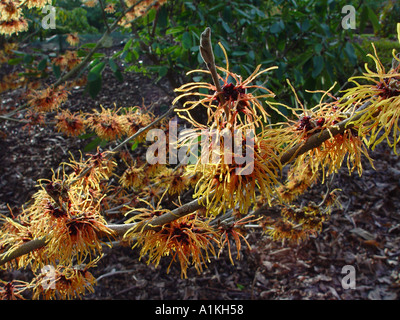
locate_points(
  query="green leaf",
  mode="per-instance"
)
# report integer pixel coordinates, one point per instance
(318, 65)
(239, 53)
(42, 64)
(134, 145)
(226, 27)
(94, 144)
(115, 69)
(95, 72)
(94, 87)
(14, 61)
(162, 71)
(89, 45)
(162, 17)
(186, 40)
(175, 30)
(128, 45)
(275, 28)
(57, 71)
(350, 52)
(86, 136)
(374, 19)
(113, 65)
(28, 59)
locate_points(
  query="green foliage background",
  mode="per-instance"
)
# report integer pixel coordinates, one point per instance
(303, 38)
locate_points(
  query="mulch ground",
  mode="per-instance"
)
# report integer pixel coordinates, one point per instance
(364, 233)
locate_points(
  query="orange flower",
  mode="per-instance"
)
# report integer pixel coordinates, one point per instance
(73, 39)
(233, 178)
(286, 230)
(107, 124)
(299, 179)
(232, 232)
(12, 290)
(133, 177)
(36, 3)
(109, 8)
(10, 10)
(48, 99)
(172, 180)
(93, 171)
(135, 119)
(14, 25)
(72, 59)
(383, 92)
(71, 124)
(34, 119)
(184, 239)
(241, 105)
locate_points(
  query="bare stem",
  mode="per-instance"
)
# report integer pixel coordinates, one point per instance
(207, 54)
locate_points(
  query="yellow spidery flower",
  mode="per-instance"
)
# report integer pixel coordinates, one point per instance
(235, 176)
(380, 118)
(173, 180)
(76, 232)
(134, 119)
(300, 178)
(9, 10)
(109, 8)
(133, 177)
(92, 172)
(36, 3)
(14, 232)
(285, 230)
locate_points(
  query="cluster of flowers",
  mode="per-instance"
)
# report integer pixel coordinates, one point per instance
(65, 214)
(138, 10)
(12, 20)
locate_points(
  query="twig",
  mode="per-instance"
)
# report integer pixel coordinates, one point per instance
(104, 15)
(207, 54)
